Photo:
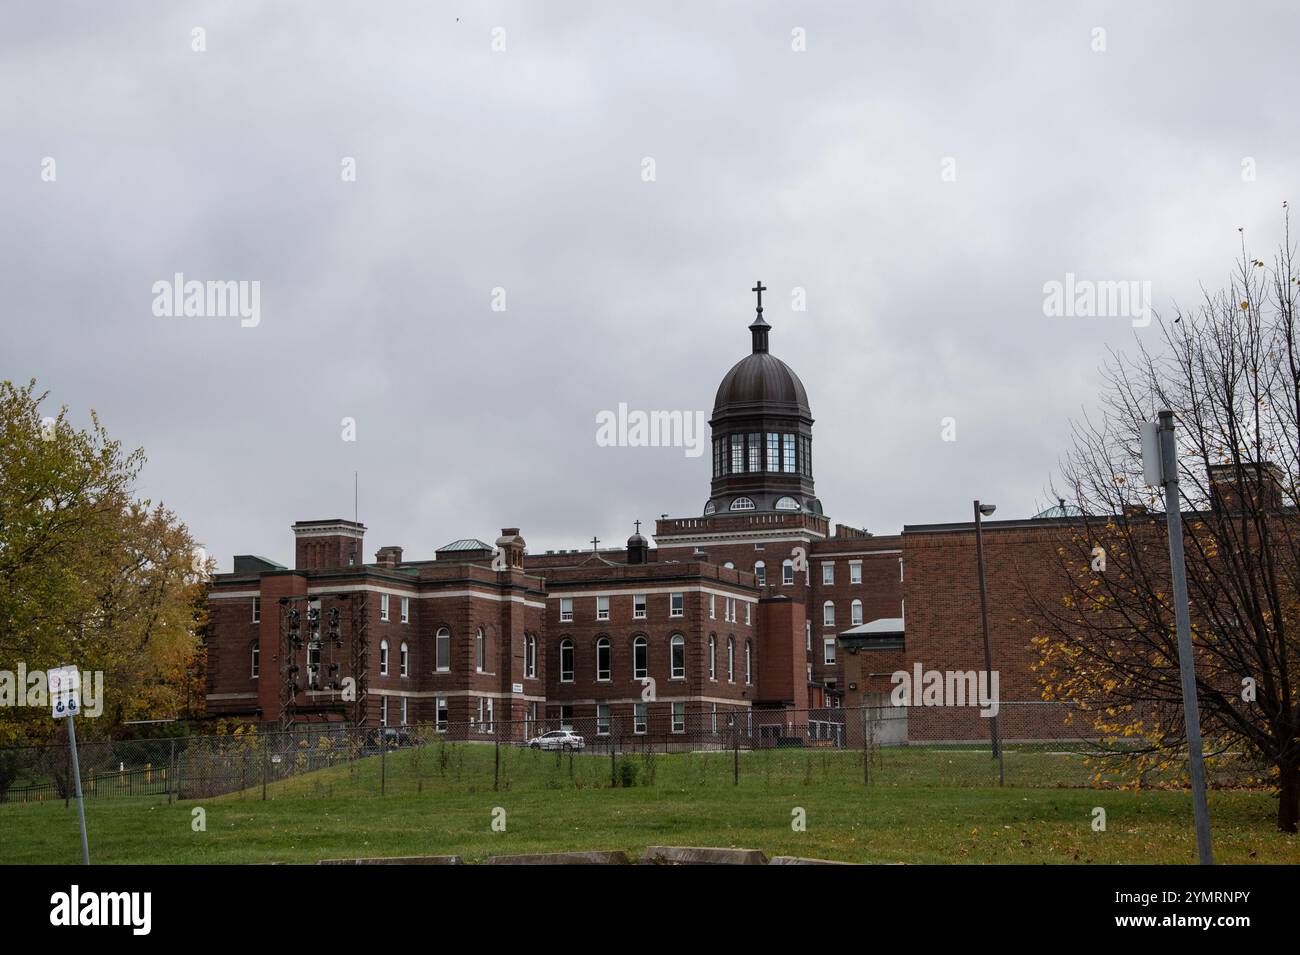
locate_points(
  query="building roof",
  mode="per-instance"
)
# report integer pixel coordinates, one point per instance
(465, 543)
(878, 627)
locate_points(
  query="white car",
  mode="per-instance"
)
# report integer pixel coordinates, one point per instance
(557, 739)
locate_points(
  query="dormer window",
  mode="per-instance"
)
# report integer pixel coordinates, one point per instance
(742, 504)
(709, 509)
(787, 504)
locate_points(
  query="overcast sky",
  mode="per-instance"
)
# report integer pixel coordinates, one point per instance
(523, 169)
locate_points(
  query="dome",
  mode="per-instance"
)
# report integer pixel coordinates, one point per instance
(761, 377)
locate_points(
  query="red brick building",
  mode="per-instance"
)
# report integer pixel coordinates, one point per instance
(744, 614)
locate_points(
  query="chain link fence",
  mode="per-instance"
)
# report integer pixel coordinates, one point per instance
(1037, 745)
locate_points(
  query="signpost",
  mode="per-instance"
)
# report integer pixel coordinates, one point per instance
(1160, 468)
(65, 702)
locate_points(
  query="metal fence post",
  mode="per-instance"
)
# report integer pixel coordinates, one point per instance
(266, 766)
(735, 757)
(496, 769)
(866, 753)
(171, 764)
(383, 760)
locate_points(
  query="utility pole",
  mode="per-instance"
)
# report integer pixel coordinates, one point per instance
(1160, 467)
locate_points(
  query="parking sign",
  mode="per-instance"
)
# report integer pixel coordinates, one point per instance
(65, 692)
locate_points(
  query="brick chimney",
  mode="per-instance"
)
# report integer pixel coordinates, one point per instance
(389, 556)
(325, 545)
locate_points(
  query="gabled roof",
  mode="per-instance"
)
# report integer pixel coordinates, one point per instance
(465, 543)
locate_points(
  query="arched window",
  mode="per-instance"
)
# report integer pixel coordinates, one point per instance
(678, 657)
(828, 614)
(742, 504)
(442, 650)
(713, 657)
(729, 565)
(855, 613)
(640, 658)
(731, 660)
(760, 574)
(256, 663)
(383, 658)
(480, 651)
(530, 657)
(566, 660)
(749, 662)
(787, 572)
(602, 658)
(403, 661)
(787, 504)
(709, 508)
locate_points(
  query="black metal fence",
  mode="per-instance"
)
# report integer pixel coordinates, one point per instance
(1040, 745)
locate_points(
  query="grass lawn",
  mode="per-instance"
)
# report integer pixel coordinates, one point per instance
(442, 802)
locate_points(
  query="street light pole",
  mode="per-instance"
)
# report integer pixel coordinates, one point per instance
(980, 511)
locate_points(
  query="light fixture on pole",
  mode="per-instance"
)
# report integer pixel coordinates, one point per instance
(982, 511)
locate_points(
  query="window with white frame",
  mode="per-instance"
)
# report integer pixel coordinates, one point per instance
(807, 634)
(810, 679)
(530, 657)
(383, 711)
(676, 604)
(713, 722)
(442, 650)
(638, 606)
(406, 610)
(566, 609)
(855, 613)
(441, 704)
(828, 574)
(760, 574)
(257, 610)
(679, 716)
(713, 607)
(256, 663)
(749, 662)
(640, 658)
(639, 718)
(566, 660)
(787, 573)
(828, 614)
(403, 660)
(602, 719)
(678, 649)
(731, 660)
(383, 606)
(748, 606)
(602, 659)
(404, 701)
(383, 658)
(485, 714)
(602, 608)
(828, 650)
(855, 572)
(742, 504)
(713, 657)
(480, 651)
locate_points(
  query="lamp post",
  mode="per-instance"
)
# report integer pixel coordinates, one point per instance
(982, 511)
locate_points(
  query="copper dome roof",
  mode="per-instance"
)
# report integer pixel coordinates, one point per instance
(762, 378)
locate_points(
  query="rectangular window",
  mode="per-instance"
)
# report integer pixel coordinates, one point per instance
(787, 573)
(678, 658)
(638, 606)
(713, 722)
(442, 649)
(773, 451)
(383, 606)
(737, 454)
(602, 608)
(406, 610)
(442, 714)
(855, 613)
(383, 711)
(383, 659)
(676, 605)
(713, 607)
(679, 716)
(756, 452)
(747, 609)
(566, 609)
(257, 665)
(789, 454)
(639, 718)
(257, 610)
(404, 711)
(807, 632)
(717, 457)
(828, 614)
(828, 574)
(640, 659)
(855, 572)
(602, 719)
(566, 717)
(602, 659)
(828, 650)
